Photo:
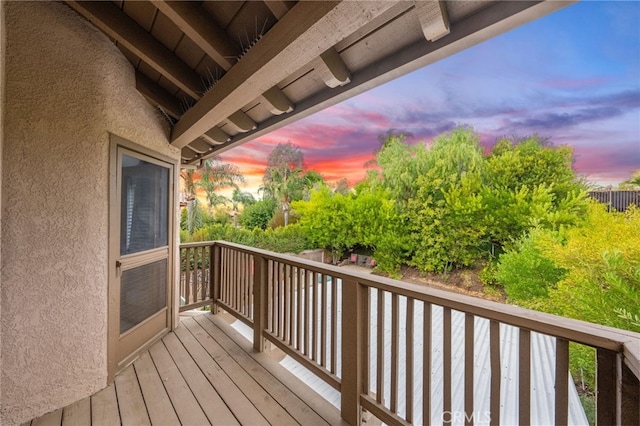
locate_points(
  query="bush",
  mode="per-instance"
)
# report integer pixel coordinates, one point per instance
(258, 215)
(525, 272)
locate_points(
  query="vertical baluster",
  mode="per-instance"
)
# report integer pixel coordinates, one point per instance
(562, 381)
(323, 323)
(299, 306)
(469, 335)
(334, 325)
(280, 299)
(246, 266)
(187, 295)
(409, 361)
(446, 355)
(494, 354)
(183, 268)
(287, 303)
(205, 257)
(196, 286)
(292, 304)
(524, 379)
(366, 340)
(380, 350)
(201, 276)
(314, 305)
(426, 364)
(307, 276)
(395, 331)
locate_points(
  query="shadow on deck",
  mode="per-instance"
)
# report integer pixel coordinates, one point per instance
(203, 373)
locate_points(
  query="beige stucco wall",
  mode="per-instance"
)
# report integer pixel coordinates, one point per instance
(67, 87)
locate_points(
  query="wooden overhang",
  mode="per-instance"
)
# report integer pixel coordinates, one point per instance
(226, 72)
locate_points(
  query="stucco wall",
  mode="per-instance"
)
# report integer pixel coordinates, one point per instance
(67, 87)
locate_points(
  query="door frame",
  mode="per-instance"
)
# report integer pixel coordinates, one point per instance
(114, 366)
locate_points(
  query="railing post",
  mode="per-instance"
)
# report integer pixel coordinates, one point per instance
(606, 387)
(353, 300)
(214, 278)
(630, 388)
(260, 308)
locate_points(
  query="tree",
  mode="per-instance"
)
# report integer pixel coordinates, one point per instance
(285, 179)
(239, 197)
(633, 182)
(190, 185)
(216, 175)
(259, 214)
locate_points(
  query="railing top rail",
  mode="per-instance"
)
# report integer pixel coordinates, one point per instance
(197, 244)
(578, 331)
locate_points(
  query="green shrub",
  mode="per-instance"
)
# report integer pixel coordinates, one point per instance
(525, 272)
(258, 215)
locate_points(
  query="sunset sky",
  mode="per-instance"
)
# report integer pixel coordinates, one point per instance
(573, 76)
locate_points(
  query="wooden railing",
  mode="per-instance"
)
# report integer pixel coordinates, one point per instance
(195, 275)
(385, 344)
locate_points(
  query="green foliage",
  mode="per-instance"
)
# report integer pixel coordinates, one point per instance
(259, 214)
(446, 210)
(324, 218)
(365, 218)
(603, 261)
(216, 175)
(290, 239)
(589, 272)
(525, 272)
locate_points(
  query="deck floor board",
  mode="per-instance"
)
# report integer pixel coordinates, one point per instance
(203, 373)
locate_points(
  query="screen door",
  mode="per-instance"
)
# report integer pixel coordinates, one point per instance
(140, 293)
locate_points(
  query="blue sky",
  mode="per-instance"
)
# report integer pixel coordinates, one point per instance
(572, 76)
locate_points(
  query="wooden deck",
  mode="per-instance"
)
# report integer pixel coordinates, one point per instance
(203, 373)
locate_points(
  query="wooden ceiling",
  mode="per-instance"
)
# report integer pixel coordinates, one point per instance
(226, 72)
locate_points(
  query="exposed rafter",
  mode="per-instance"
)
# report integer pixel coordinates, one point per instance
(433, 18)
(115, 23)
(276, 102)
(332, 68)
(158, 96)
(200, 146)
(193, 20)
(299, 37)
(217, 136)
(241, 122)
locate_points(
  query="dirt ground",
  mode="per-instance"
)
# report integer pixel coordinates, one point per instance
(466, 281)
(459, 281)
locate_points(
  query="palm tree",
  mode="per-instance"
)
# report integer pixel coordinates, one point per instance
(239, 197)
(190, 184)
(216, 175)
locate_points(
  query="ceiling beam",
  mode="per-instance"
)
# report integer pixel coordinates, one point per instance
(279, 8)
(332, 69)
(433, 18)
(489, 22)
(309, 29)
(117, 25)
(158, 96)
(195, 23)
(276, 101)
